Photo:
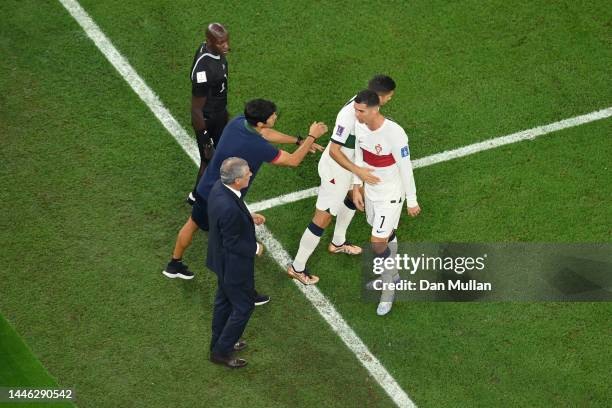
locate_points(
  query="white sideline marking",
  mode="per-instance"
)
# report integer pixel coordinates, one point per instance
(284, 199)
(128, 73)
(528, 134)
(338, 324)
(313, 294)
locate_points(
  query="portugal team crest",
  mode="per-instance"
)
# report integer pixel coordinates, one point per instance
(378, 148)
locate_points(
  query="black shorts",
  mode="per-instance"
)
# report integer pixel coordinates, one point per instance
(215, 123)
(199, 212)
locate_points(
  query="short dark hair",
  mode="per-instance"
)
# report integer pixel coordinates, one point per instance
(381, 84)
(369, 97)
(258, 110)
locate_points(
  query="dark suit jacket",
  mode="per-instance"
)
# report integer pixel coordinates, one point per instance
(231, 238)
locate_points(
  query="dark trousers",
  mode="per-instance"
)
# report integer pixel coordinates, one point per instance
(215, 123)
(234, 305)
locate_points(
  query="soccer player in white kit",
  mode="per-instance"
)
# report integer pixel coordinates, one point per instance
(336, 185)
(383, 144)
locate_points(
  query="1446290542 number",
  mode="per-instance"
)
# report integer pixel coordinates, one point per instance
(12, 394)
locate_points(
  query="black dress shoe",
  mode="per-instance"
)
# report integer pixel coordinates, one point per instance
(261, 299)
(190, 199)
(240, 345)
(228, 361)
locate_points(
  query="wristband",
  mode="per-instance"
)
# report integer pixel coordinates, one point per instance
(313, 138)
(299, 140)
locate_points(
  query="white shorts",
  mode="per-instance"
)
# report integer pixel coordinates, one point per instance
(331, 195)
(336, 181)
(383, 216)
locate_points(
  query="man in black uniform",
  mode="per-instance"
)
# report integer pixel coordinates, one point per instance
(209, 94)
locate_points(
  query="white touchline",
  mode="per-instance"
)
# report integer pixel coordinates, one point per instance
(338, 324)
(128, 73)
(313, 294)
(284, 199)
(528, 134)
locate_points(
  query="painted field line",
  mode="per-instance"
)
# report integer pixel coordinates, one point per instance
(338, 324)
(528, 134)
(313, 294)
(128, 73)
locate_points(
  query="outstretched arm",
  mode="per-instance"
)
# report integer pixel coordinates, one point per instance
(274, 136)
(286, 159)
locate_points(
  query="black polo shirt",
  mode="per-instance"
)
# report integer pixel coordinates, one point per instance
(209, 79)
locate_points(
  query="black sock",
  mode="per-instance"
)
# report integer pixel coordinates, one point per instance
(315, 229)
(176, 260)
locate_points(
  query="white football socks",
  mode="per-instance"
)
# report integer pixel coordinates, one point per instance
(308, 244)
(343, 219)
(390, 275)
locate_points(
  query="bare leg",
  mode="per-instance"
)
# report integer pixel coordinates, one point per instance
(184, 238)
(321, 218)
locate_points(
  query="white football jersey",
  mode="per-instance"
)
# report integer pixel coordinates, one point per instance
(344, 135)
(386, 150)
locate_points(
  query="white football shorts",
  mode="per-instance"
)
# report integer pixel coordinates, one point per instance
(383, 216)
(332, 193)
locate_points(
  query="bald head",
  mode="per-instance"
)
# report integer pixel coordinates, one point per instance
(216, 30)
(217, 39)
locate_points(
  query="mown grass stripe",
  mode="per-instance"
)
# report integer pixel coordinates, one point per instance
(447, 155)
(313, 294)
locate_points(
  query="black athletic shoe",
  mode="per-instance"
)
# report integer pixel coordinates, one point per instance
(177, 270)
(190, 199)
(261, 299)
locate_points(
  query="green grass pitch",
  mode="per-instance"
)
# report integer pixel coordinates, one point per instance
(20, 370)
(92, 188)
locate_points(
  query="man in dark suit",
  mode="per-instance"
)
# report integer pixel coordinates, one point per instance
(232, 248)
